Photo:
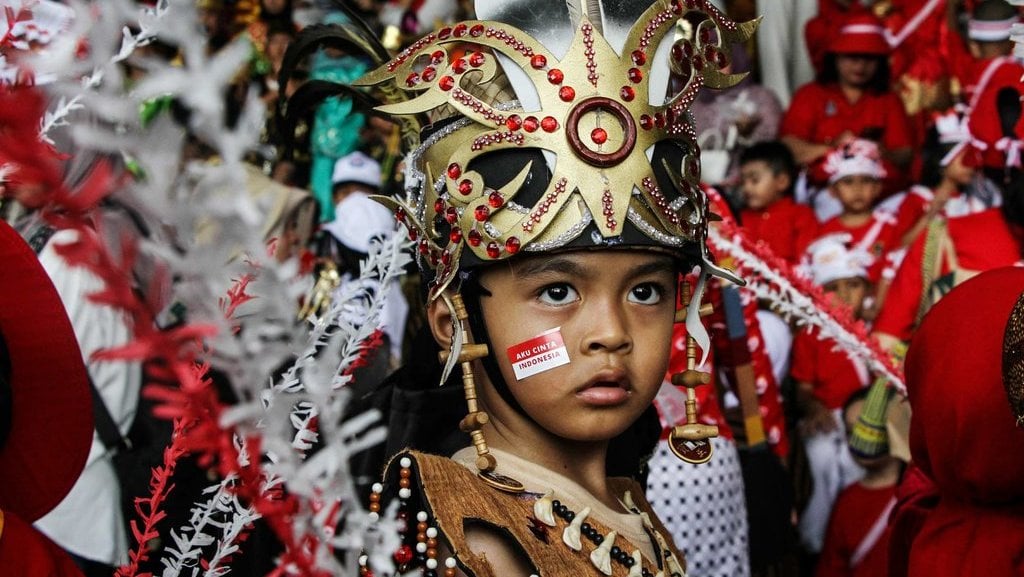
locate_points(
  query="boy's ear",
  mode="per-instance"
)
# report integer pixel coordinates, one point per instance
(439, 317)
(783, 182)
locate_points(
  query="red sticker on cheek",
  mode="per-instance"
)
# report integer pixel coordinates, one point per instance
(541, 353)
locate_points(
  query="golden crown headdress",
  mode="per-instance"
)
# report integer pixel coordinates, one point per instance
(596, 106)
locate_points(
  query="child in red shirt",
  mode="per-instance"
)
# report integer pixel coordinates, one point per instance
(855, 176)
(825, 378)
(767, 172)
(857, 540)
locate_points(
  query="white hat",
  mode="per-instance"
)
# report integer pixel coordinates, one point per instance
(357, 167)
(358, 220)
(858, 156)
(832, 259)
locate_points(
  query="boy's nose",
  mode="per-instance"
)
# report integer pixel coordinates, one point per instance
(607, 330)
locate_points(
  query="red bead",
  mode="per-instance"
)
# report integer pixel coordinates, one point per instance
(460, 30)
(639, 57)
(627, 93)
(635, 75)
(429, 73)
(549, 124)
(566, 93)
(403, 555)
(495, 199)
(474, 237)
(538, 61)
(455, 236)
(514, 122)
(424, 245)
(459, 66)
(530, 124)
(599, 135)
(439, 206)
(446, 83)
(451, 215)
(555, 76)
(677, 52)
(476, 30)
(437, 57)
(400, 214)
(476, 59)
(481, 212)
(645, 122)
(446, 257)
(512, 245)
(444, 33)
(454, 170)
(466, 186)
(493, 250)
(412, 79)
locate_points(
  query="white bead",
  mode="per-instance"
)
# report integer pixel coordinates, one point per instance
(363, 559)
(431, 532)
(421, 547)
(405, 462)
(450, 563)
(404, 493)
(431, 563)
(374, 516)
(377, 488)
(421, 516)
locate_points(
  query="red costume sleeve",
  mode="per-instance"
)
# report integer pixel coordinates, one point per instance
(899, 311)
(802, 113)
(26, 551)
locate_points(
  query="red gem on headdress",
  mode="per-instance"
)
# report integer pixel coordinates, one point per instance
(493, 250)
(444, 33)
(454, 170)
(424, 245)
(635, 75)
(639, 57)
(677, 52)
(677, 6)
(403, 555)
(698, 62)
(512, 245)
(530, 124)
(513, 122)
(413, 235)
(555, 76)
(687, 48)
(400, 214)
(428, 74)
(538, 61)
(439, 206)
(645, 122)
(474, 237)
(412, 79)
(460, 30)
(599, 135)
(466, 186)
(434, 258)
(476, 59)
(495, 199)
(704, 35)
(710, 52)
(476, 30)
(566, 93)
(549, 124)
(627, 93)
(437, 57)
(455, 236)
(451, 215)
(459, 66)
(481, 212)
(446, 257)
(446, 83)
(659, 120)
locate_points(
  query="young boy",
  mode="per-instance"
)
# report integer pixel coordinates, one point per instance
(552, 285)
(855, 176)
(857, 540)
(767, 172)
(825, 379)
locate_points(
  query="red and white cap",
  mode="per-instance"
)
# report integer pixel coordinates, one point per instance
(857, 157)
(831, 258)
(862, 33)
(990, 30)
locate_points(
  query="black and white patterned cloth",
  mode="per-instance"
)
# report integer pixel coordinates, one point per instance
(703, 508)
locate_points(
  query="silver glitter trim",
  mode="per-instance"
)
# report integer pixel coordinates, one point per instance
(565, 237)
(516, 207)
(492, 230)
(646, 228)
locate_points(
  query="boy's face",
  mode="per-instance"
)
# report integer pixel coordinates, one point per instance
(762, 186)
(850, 291)
(614, 310)
(857, 192)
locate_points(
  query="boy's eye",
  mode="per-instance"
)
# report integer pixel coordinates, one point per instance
(646, 294)
(558, 294)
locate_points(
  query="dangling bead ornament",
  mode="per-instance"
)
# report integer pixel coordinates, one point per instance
(473, 422)
(690, 441)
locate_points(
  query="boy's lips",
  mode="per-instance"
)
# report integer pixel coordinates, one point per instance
(608, 387)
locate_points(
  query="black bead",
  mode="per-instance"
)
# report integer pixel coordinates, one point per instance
(430, 573)
(629, 562)
(556, 503)
(598, 539)
(616, 551)
(569, 516)
(586, 527)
